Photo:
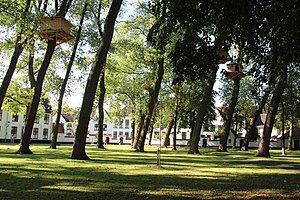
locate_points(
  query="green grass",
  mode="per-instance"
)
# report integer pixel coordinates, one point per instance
(118, 172)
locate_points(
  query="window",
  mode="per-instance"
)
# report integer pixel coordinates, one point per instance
(121, 124)
(156, 134)
(96, 127)
(127, 123)
(0, 115)
(120, 133)
(46, 119)
(35, 133)
(183, 135)
(14, 131)
(15, 118)
(104, 127)
(69, 127)
(212, 128)
(37, 120)
(45, 133)
(229, 141)
(115, 134)
(126, 135)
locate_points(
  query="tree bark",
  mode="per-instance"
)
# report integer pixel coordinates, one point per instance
(101, 112)
(139, 130)
(151, 106)
(133, 130)
(91, 86)
(282, 130)
(166, 140)
(151, 134)
(264, 145)
(202, 109)
(252, 126)
(291, 134)
(65, 81)
(175, 120)
(229, 115)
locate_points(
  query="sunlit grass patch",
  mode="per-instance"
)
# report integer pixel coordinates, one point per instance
(118, 172)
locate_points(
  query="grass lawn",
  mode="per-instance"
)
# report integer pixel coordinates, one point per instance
(118, 172)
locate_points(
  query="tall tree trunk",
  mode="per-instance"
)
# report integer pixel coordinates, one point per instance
(139, 130)
(151, 106)
(166, 140)
(282, 130)
(202, 110)
(65, 81)
(91, 86)
(291, 134)
(229, 115)
(151, 134)
(264, 145)
(133, 131)
(175, 120)
(252, 126)
(25, 140)
(19, 47)
(192, 124)
(101, 112)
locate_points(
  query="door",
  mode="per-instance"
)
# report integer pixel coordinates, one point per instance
(296, 144)
(204, 143)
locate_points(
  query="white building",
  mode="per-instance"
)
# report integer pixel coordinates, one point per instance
(66, 128)
(113, 131)
(11, 127)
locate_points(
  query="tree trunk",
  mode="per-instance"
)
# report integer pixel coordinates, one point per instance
(282, 130)
(63, 87)
(252, 126)
(151, 106)
(25, 140)
(229, 115)
(166, 140)
(139, 130)
(91, 86)
(290, 146)
(19, 47)
(202, 109)
(151, 134)
(264, 145)
(175, 121)
(192, 124)
(101, 112)
(133, 131)
(30, 65)
(291, 132)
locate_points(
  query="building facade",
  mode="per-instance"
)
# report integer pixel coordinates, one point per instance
(12, 126)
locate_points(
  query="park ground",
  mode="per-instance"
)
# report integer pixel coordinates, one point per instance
(118, 172)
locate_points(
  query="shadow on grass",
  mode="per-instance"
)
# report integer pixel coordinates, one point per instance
(86, 184)
(50, 174)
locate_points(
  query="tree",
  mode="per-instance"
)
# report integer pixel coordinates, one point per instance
(166, 139)
(282, 39)
(90, 90)
(153, 99)
(65, 81)
(25, 140)
(20, 42)
(101, 112)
